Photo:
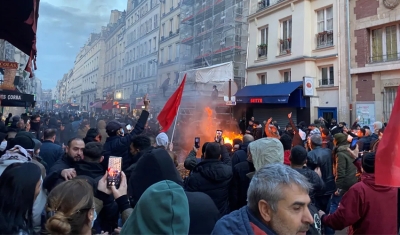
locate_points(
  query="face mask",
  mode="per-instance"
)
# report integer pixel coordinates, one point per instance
(94, 218)
(3, 145)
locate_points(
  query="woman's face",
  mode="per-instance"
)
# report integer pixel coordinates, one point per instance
(38, 188)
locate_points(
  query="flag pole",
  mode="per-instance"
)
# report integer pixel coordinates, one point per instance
(176, 120)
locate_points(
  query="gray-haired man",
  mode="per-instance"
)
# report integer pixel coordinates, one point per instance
(277, 204)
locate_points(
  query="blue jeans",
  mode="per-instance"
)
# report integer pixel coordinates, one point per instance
(333, 205)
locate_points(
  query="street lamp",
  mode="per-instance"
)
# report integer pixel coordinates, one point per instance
(118, 95)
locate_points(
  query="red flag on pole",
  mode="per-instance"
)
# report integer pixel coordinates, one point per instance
(387, 161)
(170, 110)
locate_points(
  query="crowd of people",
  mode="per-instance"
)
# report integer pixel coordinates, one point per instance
(54, 172)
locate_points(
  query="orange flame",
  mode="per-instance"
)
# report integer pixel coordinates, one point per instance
(208, 111)
(229, 137)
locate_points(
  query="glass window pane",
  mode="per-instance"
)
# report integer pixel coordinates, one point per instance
(324, 73)
(391, 42)
(377, 45)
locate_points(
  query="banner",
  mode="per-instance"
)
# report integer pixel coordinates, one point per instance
(8, 70)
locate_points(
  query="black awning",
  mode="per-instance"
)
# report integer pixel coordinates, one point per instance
(15, 99)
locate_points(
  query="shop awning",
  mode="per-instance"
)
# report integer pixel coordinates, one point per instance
(278, 93)
(15, 99)
(107, 105)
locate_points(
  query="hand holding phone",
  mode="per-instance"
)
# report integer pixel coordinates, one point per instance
(114, 171)
(218, 136)
(197, 142)
(129, 127)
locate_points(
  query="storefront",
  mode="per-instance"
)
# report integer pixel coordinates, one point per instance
(274, 100)
(16, 99)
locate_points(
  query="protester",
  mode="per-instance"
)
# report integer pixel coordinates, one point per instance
(365, 207)
(164, 203)
(70, 213)
(50, 152)
(273, 189)
(16, 209)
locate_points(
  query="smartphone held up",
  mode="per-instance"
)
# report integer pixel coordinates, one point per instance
(218, 136)
(114, 171)
(197, 142)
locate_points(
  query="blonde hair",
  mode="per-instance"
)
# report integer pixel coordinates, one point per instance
(68, 205)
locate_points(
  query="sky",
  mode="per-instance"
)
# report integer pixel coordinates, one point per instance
(63, 28)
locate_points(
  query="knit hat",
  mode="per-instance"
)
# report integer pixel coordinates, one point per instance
(162, 139)
(340, 138)
(368, 162)
(266, 151)
(113, 126)
(24, 141)
(165, 204)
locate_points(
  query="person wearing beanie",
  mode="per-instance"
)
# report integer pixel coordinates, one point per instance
(162, 209)
(344, 170)
(321, 158)
(162, 140)
(366, 208)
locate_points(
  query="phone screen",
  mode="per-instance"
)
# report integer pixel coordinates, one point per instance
(129, 127)
(353, 143)
(197, 142)
(218, 136)
(114, 171)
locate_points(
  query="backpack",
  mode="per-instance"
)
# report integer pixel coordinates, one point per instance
(315, 228)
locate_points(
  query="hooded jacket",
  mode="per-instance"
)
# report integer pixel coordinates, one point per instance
(266, 151)
(156, 166)
(240, 155)
(366, 208)
(163, 209)
(343, 168)
(213, 177)
(101, 127)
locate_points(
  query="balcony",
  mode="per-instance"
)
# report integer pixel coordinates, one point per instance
(259, 5)
(324, 39)
(285, 46)
(384, 58)
(326, 82)
(262, 50)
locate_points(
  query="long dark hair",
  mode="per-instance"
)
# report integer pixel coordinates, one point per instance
(18, 186)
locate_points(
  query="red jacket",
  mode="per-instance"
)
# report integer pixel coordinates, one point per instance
(366, 208)
(286, 157)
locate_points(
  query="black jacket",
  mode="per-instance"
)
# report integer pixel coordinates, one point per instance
(240, 184)
(322, 158)
(119, 146)
(51, 153)
(240, 155)
(314, 179)
(156, 166)
(54, 177)
(212, 177)
(364, 143)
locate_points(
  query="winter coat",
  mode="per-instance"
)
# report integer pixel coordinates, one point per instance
(240, 155)
(50, 153)
(156, 166)
(240, 184)
(241, 222)
(366, 208)
(212, 177)
(119, 145)
(316, 181)
(322, 158)
(343, 168)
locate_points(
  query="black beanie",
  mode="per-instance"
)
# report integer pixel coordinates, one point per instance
(368, 162)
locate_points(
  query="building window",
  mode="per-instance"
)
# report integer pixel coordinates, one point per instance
(169, 52)
(325, 27)
(177, 50)
(263, 46)
(327, 76)
(388, 101)
(262, 78)
(171, 23)
(155, 21)
(162, 56)
(286, 37)
(287, 76)
(384, 44)
(163, 30)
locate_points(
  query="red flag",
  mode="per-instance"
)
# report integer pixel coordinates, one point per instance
(168, 113)
(387, 161)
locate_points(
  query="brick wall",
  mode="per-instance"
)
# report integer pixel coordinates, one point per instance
(365, 85)
(366, 8)
(361, 45)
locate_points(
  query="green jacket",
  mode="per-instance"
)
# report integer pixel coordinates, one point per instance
(344, 169)
(162, 209)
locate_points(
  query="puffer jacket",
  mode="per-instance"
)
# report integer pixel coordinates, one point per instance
(322, 158)
(212, 177)
(343, 168)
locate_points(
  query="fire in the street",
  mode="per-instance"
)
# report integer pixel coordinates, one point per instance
(229, 137)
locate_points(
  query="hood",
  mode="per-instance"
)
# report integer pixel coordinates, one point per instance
(101, 124)
(244, 146)
(91, 169)
(163, 209)
(155, 166)
(266, 151)
(214, 170)
(369, 179)
(342, 148)
(162, 139)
